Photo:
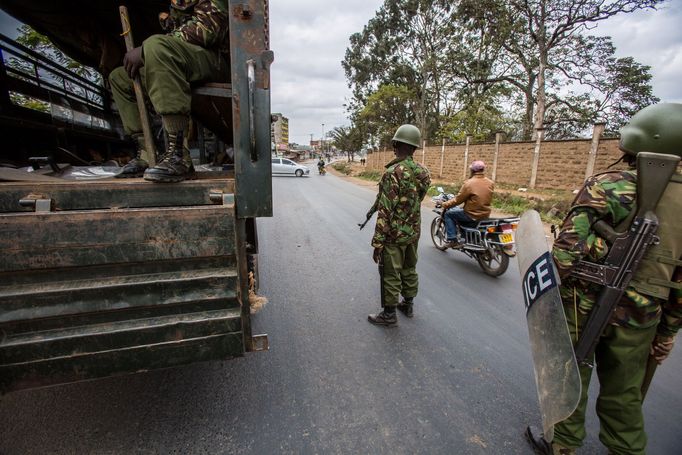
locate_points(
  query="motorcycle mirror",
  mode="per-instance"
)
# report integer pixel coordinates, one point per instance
(440, 189)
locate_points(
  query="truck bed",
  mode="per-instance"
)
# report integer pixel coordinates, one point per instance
(116, 276)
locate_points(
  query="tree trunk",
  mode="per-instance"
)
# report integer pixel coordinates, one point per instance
(541, 97)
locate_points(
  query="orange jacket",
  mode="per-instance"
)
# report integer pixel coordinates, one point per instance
(476, 194)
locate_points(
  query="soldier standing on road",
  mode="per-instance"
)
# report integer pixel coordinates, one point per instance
(401, 190)
(192, 50)
(649, 314)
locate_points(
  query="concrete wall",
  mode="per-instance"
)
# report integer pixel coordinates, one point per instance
(561, 164)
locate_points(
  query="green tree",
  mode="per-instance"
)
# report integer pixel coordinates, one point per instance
(386, 109)
(42, 45)
(538, 38)
(404, 45)
(348, 139)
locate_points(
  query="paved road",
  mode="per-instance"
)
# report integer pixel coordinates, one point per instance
(455, 379)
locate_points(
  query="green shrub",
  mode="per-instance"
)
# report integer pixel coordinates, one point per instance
(343, 167)
(374, 176)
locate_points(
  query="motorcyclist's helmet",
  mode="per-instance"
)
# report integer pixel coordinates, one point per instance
(408, 134)
(656, 128)
(477, 166)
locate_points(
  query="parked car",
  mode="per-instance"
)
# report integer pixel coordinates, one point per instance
(284, 166)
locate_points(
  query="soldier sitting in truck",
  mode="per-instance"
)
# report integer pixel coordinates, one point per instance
(193, 50)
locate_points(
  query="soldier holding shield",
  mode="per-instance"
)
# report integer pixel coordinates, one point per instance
(648, 314)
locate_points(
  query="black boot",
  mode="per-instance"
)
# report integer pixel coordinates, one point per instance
(537, 441)
(136, 166)
(405, 307)
(175, 165)
(386, 318)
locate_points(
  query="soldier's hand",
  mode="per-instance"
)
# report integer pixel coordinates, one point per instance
(132, 62)
(661, 348)
(377, 254)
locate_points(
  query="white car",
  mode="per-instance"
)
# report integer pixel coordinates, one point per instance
(283, 166)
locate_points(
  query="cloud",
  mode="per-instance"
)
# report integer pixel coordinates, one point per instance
(653, 38)
(309, 39)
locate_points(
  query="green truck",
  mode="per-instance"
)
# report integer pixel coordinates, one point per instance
(114, 276)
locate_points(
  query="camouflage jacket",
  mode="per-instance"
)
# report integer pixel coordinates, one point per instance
(205, 24)
(401, 190)
(610, 197)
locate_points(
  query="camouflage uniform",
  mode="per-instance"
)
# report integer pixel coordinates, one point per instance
(401, 190)
(191, 51)
(623, 348)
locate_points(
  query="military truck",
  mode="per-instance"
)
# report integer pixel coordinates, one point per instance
(114, 276)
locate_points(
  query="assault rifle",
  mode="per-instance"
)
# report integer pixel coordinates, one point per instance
(626, 248)
(370, 213)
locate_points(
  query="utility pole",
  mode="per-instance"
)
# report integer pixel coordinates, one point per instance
(322, 141)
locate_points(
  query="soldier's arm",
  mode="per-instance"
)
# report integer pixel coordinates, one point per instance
(207, 26)
(425, 179)
(596, 200)
(386, 201)
(671, 320)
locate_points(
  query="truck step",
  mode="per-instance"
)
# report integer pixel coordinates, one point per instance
(70, 342)
(66, 355)
(108, 299)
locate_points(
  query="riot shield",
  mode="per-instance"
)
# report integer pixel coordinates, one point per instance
(556, 370)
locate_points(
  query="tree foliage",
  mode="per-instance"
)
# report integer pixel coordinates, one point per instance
(348, 139)
(478, 66)
(42, 45)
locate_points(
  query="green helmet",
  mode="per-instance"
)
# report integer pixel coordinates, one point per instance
(408, 134)
(656, 128)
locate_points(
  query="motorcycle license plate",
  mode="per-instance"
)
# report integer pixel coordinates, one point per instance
(506, 238)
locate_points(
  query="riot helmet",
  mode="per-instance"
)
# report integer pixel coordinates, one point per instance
(656, 128)
(408, 134)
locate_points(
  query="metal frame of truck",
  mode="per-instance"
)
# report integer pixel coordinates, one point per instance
(108, 277)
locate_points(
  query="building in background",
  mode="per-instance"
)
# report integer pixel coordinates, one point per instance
(279, 132)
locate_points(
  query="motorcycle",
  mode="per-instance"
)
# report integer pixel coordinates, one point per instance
(489, 241)
(321, 170)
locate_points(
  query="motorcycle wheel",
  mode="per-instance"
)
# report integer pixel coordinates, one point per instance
(438, 233)
(493, 261)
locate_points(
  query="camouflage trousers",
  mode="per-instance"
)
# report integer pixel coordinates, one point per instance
(620, 361)
(171, 65)
(400, 272)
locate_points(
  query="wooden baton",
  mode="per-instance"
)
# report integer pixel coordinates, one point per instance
(150, 149)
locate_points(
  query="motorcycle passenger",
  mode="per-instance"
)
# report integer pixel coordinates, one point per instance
(476, 194)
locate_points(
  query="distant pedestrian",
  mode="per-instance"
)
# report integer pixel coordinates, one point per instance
(396, 236)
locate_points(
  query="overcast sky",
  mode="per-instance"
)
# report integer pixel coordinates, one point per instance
(309, 38)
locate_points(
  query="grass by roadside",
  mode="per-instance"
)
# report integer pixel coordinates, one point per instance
(551, 204)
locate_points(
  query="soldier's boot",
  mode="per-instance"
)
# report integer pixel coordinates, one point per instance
(136, 166)
(542, 447)
(176, 164)
(406, 307)
(386, 318)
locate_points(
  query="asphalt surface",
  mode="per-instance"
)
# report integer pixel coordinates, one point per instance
(455, 379)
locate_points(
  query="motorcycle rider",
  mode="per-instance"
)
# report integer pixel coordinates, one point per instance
(649, 315)
(476, 194)
(401, 190)
(320, 165)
